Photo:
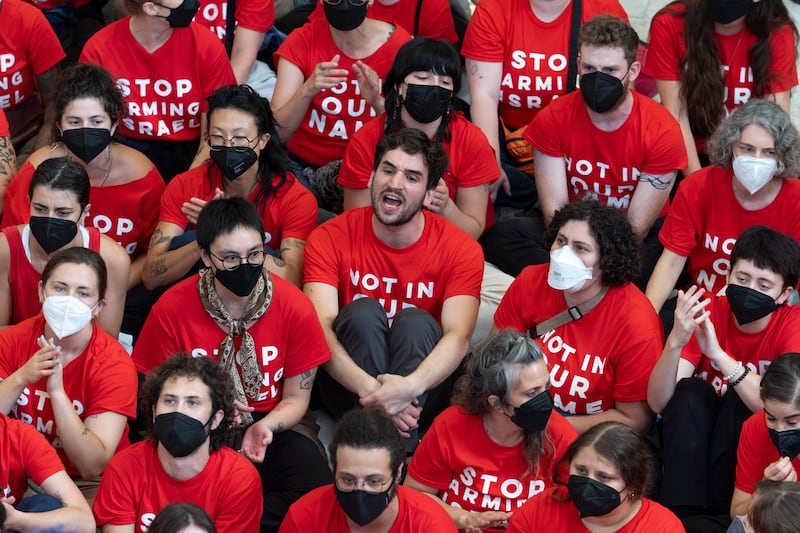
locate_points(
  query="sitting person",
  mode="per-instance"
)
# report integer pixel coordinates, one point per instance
(769, 447)
(126, 187)
(609, 470)
(79, 386)
(248, 161)
(59, 201)
(395, 287)
(367, 456)
(606, 141)
(420, 88)
(502, 404)
(329, 76)
(262, 331)
(756, 157)
(167, 68)
(600, 335)
(706, 383)
(26, 454)
(189, 403)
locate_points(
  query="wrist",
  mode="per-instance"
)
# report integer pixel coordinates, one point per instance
(414, 384)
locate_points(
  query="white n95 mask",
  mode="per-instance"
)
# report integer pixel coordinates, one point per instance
(567, 271)
(754, 172)
(66, 315)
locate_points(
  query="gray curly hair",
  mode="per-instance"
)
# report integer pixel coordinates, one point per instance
(769, 116)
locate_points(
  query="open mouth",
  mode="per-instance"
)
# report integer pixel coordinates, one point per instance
(392, 201)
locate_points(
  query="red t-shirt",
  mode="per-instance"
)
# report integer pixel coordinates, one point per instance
(755, 453)
(135, 487)
(606, 165)
(335, 114)
(320, 511)
(256, 15)
(24, 454)
(291, 212)
(667, 50)
(603, 358)
(23, 279)
(479, 474)
(345, 253)
(533, 53)
(545, 514)
(101, 379)
(756, 350)
(288, 338)
(28, 47)
(127, 213)
(472, 161)
(4, 131)
(167, 90)
(705, 220)
(435, 17)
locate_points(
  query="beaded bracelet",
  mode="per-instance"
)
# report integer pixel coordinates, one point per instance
(735, 370)
(740, 378)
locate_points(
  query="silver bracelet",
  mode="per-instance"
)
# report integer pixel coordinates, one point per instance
(735, 370)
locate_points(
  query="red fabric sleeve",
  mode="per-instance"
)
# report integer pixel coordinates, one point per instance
(43, 49)
(666, 48)
(17, 209)
(484, 39)
(240, 501)
(217, 70)
(783, 63)
(41, 458)
(117, 494)
(256, 15)
(298, 213)
(681, 231)
(156, 341)
(307, 345)
(544, 133)
(359, 158)
(4, 131)
(508, 313)
(321, 257)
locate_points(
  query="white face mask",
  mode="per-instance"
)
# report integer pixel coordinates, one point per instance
(754, 172)
(567, 271)
(66, 315)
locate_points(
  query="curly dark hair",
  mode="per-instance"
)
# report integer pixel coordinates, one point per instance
(220, 389)
(619, 250)
(412, 141)
(621, 446)
(493, 369)
(701, 85)
(84, 80)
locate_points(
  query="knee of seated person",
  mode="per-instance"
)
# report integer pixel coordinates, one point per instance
(691, 393)
(414, 317)
(361, 313)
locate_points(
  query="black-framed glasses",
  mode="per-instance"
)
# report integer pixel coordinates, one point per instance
(237, 141)
(371, 484)
(232, 261)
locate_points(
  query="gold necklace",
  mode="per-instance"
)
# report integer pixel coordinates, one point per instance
(108, 170)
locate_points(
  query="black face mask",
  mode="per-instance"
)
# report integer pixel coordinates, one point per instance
(363, 507)
(749, 305)
(180, 434)
(86, 143)
(533, 415)
(787, 441)
(241, 280)
(426, 103)
(601, 91)
(181, 16)
(591, 497)
(726, 11)
(344, 16)
(233, 162)
(52, 233)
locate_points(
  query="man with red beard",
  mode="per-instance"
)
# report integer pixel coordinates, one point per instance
(395, 287)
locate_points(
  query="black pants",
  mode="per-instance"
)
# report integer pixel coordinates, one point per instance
(293, 466)
(363, 329)
(700, 435)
